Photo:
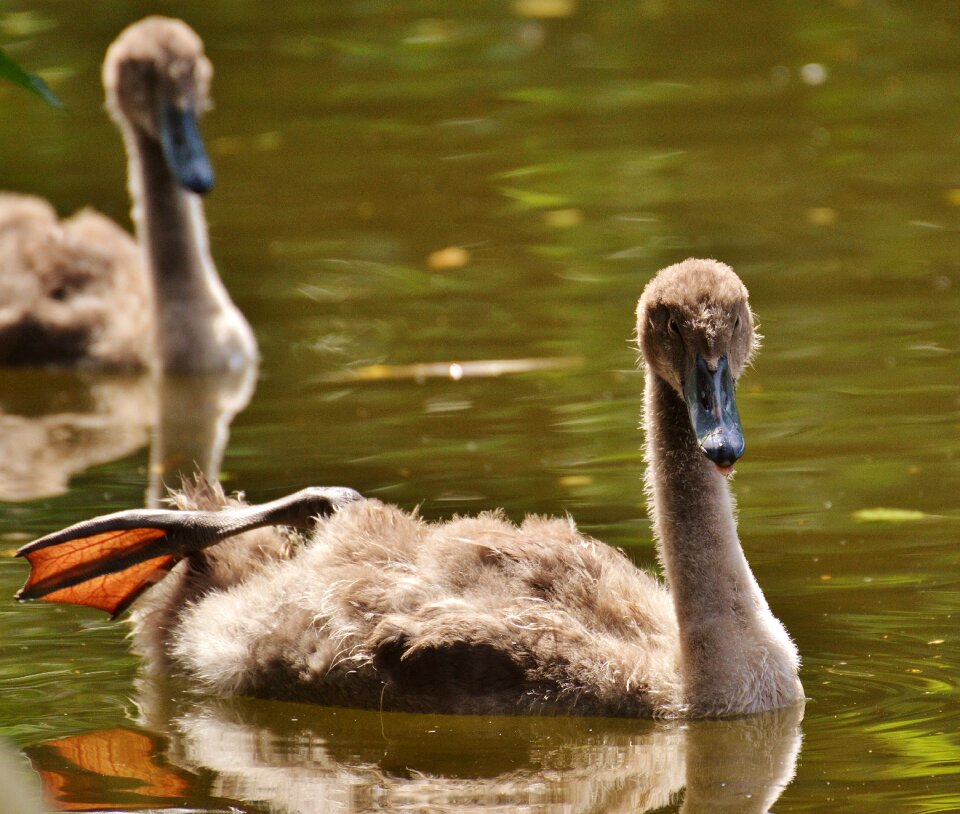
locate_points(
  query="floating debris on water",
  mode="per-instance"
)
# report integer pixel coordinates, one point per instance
(481, 368)
(881, 515)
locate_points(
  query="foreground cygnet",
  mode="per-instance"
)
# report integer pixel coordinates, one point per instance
(378, 608)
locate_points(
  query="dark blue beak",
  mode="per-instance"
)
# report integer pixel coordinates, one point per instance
(712, 405)
(183, 149)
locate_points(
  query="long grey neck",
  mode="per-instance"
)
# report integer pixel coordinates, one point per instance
(198, 326)
(727, 633)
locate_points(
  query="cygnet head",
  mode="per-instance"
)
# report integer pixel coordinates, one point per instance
(157, 80)
(695, 331)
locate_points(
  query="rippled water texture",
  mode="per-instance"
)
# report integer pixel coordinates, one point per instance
(438, 218)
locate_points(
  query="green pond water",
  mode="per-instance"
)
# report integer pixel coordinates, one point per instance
(402, 187)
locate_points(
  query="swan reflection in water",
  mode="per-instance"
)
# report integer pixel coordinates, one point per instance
(209, 754)
(55, 425)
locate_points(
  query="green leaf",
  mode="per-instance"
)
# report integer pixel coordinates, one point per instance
(12, 72)
(881, 515)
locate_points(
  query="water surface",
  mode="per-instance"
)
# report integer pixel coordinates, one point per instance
(402, 188)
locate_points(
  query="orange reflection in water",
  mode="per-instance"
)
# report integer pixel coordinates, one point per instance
(81, 772)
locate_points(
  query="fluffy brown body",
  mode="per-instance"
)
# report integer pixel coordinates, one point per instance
(382, 609)
(72, 292)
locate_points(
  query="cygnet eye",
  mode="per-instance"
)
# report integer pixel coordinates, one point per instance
(673, 327)
(736, 322)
